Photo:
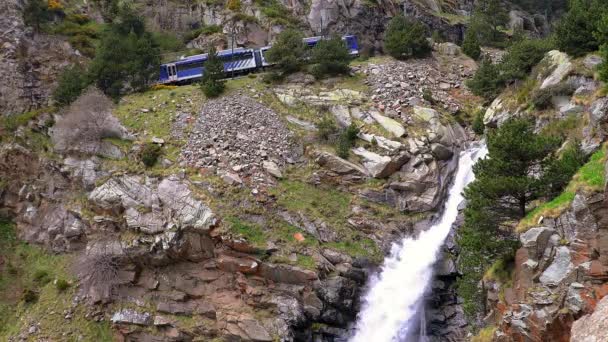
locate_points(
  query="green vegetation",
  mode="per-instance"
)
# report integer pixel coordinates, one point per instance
(127, 57)
(288, 51)
(150, 153)
(276, 12)
(211, 83)
(489, 16)
(499, 196)
(168, 42)
(405, 38)
(37, 13)
(28, 295)
(478, 126)
(72, 82)
(470, 45)
(577, 31)
(12, 122)
(330, 57)
(81, 31)
(541, 99)
(347, 140)
(205, 30)
(485, 335)
(521, 57)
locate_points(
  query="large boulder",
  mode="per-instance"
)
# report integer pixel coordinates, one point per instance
(593, 327)
(379, 166)
(560, 268)
(337, 164)
(124, 192)
(536, 239)
(186, 211)
(392, 126)
(562, 66)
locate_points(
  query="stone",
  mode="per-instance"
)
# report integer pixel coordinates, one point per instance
(233, 264)
(593, 327)
(126, 192)
(342, 115)
(448, 49)
(382, 142)
(231, 178)
(161, 321)
(535, 239)
(592, 61)
(148, 222)
(562, 68)
(309, 126)
(158, 141)
(599, 110)
(272, 168)
(496, 114)
(255, 330)
(186, 211)
(130, 316)
(376, 165)
(441, 152)
(287, 274)
(559, 269)
(394, 127)
(337, 164)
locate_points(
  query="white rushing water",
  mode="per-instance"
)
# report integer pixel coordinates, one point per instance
(396, 294)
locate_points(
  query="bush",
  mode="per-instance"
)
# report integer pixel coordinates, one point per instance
(346, 141)
(29, 296)
(42, 277)
(61, 285)
(470, 45)
(330, 58)
(288, 51)
(541, 99)
(488, 16)
(559, 171)
(522, 56)
(71, 84)
(272, 77)
(405, 38)
(603, 68)
(478, 126)
(168, 42)
(486, 82)
(427, 95)
(211, 83)
(36, 14)
(327, 128)
(150, 154)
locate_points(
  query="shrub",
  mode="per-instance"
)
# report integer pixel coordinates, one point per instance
(427, 95)
(486, 82)
(541, 99)
(603, 68)
(488, 16)
(288, 51)
(61, 285)
(559, 171)
(98, 269)
(211, 83)
(150, 153)
(478, 126)
(36, 14)
(29, 296)
(42, 277)
(71, 84)
(272, 77)
(327, 128)
(234, 5)
(470, 45)
(168, 42)
(330, 58)
(522, 56)
(405, 38)
(346, 141)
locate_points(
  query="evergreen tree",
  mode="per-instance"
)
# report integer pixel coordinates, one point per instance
(487, 18)
(36, 13)
(211, 83)
(522, 56)
(127, 56)
(470, 45)
(330, 57)
(575, 31)
(601, 34)
(559, 170)
(71, 84)
(506, 182)
(486, 82)
(405, 38)
(288, 51)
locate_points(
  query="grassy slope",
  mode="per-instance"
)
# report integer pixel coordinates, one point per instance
(589, 178)
(30, 268)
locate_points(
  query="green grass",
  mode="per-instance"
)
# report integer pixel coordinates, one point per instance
(162, 106)
(12, 122)
(28, 267)
(485, 335)
(589, 178)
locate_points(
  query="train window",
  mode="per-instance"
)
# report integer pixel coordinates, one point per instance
(182, 67)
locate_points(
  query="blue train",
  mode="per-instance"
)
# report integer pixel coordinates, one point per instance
(238, 61)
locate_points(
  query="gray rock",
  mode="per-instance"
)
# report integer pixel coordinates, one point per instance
(255, 330)
(441, 152)
(592, 61)
(126, 192)
(593, 327)
(185, 210)
(130, 316)
(559, 269)
(337, 164)
(272, 168)
(535, 240)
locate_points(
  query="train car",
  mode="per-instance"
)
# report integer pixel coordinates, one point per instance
(236, 61)
(187, 69)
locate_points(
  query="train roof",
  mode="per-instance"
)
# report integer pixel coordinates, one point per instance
(204, 56)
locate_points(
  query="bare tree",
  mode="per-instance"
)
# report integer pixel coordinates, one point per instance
(85, 125)
(98, 269)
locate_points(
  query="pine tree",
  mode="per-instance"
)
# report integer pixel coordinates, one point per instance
(470, 45)
(330, 57)
(575, 31)
(71, 84)
(211, 83)
(405, 38)
(487, 18)
(486, 82)
(288, 51)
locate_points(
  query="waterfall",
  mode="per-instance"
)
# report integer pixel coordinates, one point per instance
(395, 296)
